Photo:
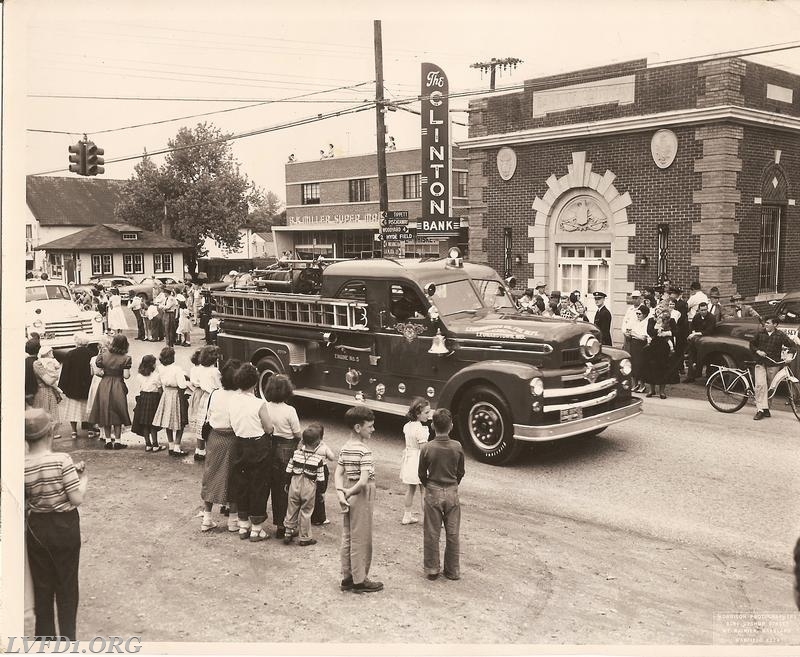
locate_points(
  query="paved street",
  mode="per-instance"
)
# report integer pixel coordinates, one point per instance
(640, 535)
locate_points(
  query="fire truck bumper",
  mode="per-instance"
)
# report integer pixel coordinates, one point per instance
(529, 433)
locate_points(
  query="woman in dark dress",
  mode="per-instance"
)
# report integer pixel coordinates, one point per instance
(660, 357)
(76, 377)
(110, 407)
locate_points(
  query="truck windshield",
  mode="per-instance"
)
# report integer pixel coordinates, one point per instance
(456, 297)
(494, 294)
(45, 292)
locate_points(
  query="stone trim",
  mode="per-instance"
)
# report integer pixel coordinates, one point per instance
(701, 115)
(718, 198)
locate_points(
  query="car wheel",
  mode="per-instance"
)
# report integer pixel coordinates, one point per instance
(267, 367)
(486, 427)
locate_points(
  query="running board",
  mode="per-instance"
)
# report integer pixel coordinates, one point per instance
(350, 400)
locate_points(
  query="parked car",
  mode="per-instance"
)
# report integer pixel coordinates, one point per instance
(729, 345)
(225, 281)
(129, 288)
(51, 311)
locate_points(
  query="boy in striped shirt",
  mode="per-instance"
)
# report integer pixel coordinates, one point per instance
(304, 469)
(355, 489)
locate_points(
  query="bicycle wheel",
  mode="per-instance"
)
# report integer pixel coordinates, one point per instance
(726, 391)
(794, 397)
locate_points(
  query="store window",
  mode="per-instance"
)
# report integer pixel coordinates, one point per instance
(412, 188)
(358, 244)
(461, 184)
(770, 248)
(133, 263)
(359, 190)
(162, 263)
(102, 264)
(310, 194)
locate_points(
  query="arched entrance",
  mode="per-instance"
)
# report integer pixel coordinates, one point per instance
(580, 237)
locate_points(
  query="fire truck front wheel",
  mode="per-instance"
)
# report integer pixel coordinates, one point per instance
(485, 425)
(267, 367)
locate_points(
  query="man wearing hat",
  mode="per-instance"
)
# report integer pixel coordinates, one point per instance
(630, 318)
(714, 306)
(602, 318)
(737, 309)
(54, 488)
(555, 300)
(540, 290)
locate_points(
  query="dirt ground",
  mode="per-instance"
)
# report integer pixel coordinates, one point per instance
(529, 576)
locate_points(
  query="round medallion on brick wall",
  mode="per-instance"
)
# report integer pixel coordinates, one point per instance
(506, 162)
(664, 147)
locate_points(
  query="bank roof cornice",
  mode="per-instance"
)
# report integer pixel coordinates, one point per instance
(627, 124)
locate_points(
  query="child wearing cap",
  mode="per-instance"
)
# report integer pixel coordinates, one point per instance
(54, 488)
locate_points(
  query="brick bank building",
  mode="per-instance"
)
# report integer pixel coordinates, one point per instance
(615, 177)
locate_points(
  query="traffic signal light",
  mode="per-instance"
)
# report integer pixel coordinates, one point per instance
(77, 158)
(94, 161)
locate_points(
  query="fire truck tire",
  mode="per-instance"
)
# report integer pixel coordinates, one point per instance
(486, 427)
(266, 368)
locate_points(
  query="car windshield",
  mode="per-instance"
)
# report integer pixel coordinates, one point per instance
(46, 292)
(494, 294)
(456, 297)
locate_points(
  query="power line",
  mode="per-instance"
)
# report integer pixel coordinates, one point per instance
(194, 116)
(251, 133)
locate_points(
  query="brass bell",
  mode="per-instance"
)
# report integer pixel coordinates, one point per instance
(438, 345)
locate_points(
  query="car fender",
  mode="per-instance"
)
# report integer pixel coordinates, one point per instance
(510, 378)
(736, 348)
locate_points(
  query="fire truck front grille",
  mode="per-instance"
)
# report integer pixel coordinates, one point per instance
(571, 357)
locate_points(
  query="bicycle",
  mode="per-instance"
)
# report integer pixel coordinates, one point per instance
(729, 388)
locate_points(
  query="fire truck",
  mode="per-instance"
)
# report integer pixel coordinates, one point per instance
(380, 332)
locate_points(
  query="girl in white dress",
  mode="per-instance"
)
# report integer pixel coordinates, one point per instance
(416, 434)
(116, 314)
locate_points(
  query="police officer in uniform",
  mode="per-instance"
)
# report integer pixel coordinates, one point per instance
(602, 318)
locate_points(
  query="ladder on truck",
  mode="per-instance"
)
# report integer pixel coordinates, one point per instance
(289, 308)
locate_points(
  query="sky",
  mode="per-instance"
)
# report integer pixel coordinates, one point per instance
(265, 51)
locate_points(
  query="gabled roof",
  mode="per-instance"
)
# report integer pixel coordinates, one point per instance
(265, 235)
(108, 237)
(75, 201)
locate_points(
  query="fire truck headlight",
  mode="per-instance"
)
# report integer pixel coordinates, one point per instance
(98, 318)
(537, 386)
(625, 367)
(38, 324)
(590, 346)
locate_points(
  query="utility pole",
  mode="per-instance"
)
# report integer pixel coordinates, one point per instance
(380, 109)
(494, 64)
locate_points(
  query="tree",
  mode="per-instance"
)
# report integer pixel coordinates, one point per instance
(265, 213)
(199, 192)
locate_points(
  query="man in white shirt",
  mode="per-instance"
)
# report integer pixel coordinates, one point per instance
(170, 317)
(696, 297)
(136, 309)
(630, 318)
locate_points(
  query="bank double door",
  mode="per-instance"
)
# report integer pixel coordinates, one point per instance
(584, 267)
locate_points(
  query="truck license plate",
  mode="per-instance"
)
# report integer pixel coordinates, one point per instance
(570, 414)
